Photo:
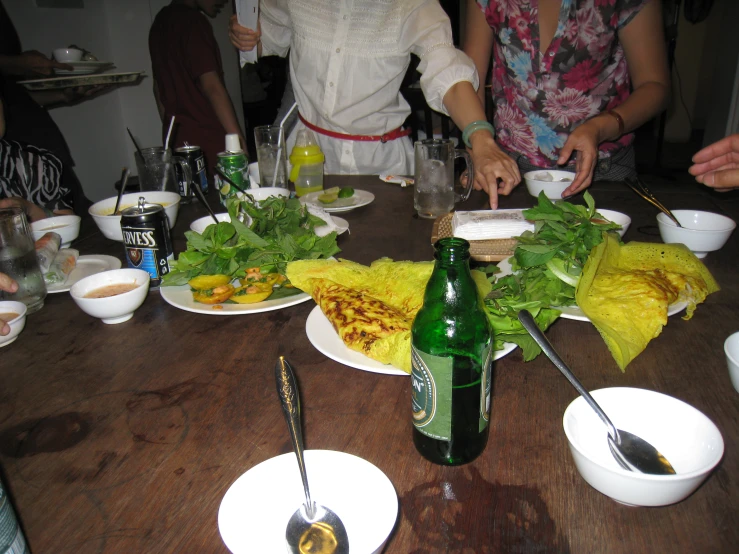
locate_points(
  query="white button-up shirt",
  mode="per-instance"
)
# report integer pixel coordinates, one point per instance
(347, 62)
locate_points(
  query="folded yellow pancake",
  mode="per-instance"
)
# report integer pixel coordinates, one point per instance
(371, 307)
(626, 290)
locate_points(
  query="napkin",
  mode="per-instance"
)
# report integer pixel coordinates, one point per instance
(323, 230)
(489, 224)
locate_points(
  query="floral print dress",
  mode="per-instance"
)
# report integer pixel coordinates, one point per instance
(541, 97)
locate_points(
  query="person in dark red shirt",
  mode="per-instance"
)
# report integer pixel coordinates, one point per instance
(188, 78)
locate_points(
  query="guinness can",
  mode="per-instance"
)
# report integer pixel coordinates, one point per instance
(147, 240)
(193, 156)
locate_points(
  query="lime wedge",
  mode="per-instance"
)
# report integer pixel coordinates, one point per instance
(346, 192)
(328, 198)
(332, 190)
(225, 188)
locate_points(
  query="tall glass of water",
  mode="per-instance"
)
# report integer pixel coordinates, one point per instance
(18, 259)
(271, 155)
(434, 194)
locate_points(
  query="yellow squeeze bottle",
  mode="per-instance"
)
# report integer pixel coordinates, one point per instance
(307, 160)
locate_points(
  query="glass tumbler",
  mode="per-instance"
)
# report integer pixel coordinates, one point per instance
(18, 259)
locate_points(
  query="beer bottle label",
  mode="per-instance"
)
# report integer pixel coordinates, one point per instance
(487, 378)
(431, 380)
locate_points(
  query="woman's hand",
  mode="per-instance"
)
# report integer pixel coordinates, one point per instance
(717, 165)
(9, 285)
(583, 142)
(242, 38)
(495, 172)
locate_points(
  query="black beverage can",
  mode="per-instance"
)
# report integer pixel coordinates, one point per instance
(147, 240)
(193, 156)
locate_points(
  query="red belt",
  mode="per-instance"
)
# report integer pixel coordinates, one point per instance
(390, 135)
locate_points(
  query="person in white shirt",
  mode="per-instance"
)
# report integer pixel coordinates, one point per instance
(347, 62)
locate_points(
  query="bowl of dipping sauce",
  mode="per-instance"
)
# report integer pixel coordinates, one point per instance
(552, 182)
(112, 296)
(67, 226)
(110, 224)
(682, 434)
(702, 232)
(14, 314)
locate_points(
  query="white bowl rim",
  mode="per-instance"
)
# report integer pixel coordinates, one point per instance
(71, 219)
(74, 290)
(20, 306)
(528, 176)
(664, 219)
(103, 204)
(644, 476)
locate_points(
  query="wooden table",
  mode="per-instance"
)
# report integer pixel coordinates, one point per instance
(124, 438)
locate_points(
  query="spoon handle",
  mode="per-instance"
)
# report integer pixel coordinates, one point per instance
(287, 389)
(527, 320)
(201, 197)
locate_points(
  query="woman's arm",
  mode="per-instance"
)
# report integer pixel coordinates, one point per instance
(646, 56)
(478, 43)
(495, 172)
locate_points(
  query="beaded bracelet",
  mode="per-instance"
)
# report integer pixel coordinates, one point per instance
(473, 127)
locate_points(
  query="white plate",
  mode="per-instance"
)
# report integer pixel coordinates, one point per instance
(326, 340)
(574, 312)
(360, 198)
(341, 224)
(256, 508)
(84, 68)
(87, 265)
(181, 297)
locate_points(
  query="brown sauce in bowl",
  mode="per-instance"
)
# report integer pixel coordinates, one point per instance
(111, 290)
(8, 316)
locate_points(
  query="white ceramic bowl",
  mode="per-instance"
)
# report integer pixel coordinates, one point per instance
(616, 217)
(256, 508)
(263, 193)
(731, 349)
(112, 309)
(67, 226)
(702, 232)
(199, 225)
(16, 324)
(110, 225)
(254, 173)
(552, 189)
(686, 437)
(67, 55)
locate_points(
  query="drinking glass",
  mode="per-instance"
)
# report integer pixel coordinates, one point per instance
(433, 193)
(157, 170)
(18, 259)
(270, 143)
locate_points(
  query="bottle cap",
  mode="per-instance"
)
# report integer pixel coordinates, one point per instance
(233, 144)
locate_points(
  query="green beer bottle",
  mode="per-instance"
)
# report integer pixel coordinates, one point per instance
(451, 350)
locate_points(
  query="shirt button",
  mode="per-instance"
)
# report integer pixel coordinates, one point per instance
(331, 84)
(346, 17)
(338, 50)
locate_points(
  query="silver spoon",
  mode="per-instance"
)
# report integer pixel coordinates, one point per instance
(124, 182)
(630, 451)
(312, 528)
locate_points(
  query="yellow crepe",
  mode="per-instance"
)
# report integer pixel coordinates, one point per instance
(371, 307)
(625, 291)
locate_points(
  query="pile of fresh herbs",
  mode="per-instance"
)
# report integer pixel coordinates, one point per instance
(281, 230)
(546, 265)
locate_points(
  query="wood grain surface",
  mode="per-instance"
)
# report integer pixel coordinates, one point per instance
(124, 438)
